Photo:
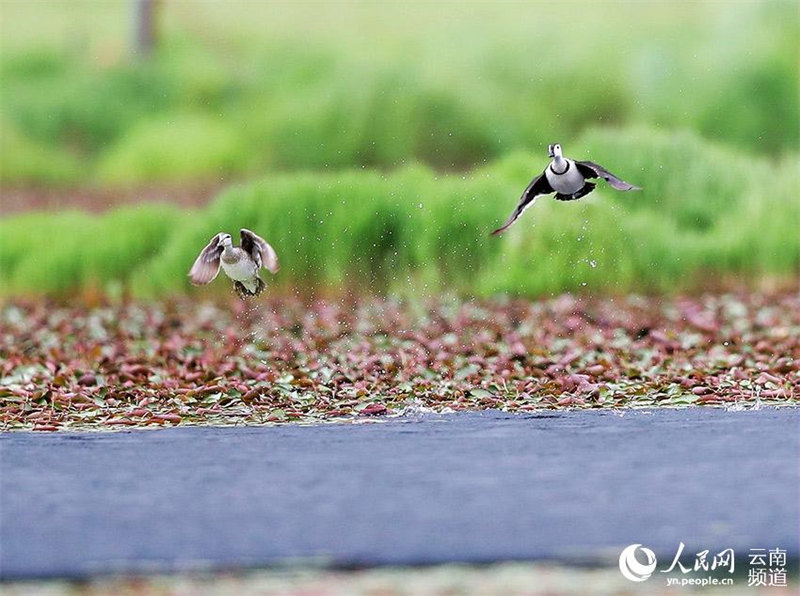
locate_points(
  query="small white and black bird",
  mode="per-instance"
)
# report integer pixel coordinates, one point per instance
(565, 177)
(240, 263)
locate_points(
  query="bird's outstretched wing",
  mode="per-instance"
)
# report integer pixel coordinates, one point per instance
(206, 266)
(589, 169)
(538, 186)
(260, 250)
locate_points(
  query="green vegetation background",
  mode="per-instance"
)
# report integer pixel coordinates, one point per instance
(377, 145)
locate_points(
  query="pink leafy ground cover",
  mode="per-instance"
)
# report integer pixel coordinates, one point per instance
(289, 360)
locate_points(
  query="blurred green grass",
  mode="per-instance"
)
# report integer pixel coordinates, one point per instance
(383, 142)
(703, 215)
(236, 90)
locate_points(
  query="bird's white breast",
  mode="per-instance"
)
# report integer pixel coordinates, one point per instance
(241, 270)
(567, 183)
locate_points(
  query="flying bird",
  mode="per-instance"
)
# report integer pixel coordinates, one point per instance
(565, 177)
(240, 263)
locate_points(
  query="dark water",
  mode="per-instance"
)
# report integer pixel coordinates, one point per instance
(476, 487)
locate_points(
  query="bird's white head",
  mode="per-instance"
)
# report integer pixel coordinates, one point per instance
(554, 150)
(226, 240)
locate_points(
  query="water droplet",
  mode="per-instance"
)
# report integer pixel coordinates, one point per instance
(593, 263)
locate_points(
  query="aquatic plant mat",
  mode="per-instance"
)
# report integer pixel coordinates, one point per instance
(289, 359)
(503, 579)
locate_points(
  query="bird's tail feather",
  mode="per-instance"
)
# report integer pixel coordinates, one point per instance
(245, 292)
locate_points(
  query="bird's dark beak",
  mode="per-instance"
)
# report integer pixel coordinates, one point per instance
(550, 151)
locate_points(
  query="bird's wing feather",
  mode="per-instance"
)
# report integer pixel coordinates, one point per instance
(589, 169)
(260, 250)
(206, 266)
(538, 186)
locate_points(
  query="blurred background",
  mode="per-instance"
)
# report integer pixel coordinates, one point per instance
(376, 145)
